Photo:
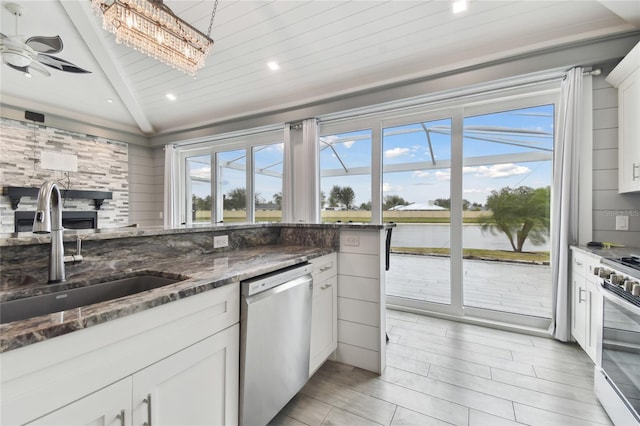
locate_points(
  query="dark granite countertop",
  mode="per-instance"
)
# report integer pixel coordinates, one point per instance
(204, 272)
(28, 238)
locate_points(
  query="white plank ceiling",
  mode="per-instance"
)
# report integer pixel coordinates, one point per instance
(324, 48)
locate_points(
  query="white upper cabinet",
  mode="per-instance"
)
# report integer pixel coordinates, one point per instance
(626, 77)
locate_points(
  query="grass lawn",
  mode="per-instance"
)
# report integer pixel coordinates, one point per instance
(532, 257)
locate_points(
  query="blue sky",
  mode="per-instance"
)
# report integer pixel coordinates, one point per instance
(509, 132)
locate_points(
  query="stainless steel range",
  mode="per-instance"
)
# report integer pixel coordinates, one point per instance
(617, 379)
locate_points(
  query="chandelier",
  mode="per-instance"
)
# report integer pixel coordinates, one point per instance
(152, 28)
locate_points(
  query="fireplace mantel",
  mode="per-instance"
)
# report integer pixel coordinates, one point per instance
(15, 193)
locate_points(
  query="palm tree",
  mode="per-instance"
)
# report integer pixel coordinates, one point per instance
(521, 213)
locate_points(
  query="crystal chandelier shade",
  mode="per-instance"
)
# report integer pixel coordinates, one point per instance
(152, 28)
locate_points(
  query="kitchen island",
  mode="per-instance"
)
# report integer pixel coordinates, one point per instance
(194, 319)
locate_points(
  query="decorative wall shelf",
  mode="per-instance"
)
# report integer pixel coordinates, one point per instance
(15, 193)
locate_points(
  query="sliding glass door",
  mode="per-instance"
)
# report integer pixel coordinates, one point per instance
(416, 159)
(507, 177)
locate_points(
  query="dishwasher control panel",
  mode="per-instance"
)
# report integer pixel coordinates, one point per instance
(274, 279)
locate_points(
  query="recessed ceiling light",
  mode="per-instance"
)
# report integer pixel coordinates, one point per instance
(171, 96)
(109, 101)
(28, 75)
(460, 6)
(273, 65)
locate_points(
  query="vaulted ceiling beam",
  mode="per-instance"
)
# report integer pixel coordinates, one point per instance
(85, 22)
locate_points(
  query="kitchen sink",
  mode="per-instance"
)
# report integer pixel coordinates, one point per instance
(29, 307)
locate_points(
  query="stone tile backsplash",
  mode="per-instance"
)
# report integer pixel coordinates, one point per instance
(103, 165)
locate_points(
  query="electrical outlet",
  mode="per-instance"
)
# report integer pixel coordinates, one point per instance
(220, 241)
(622, 223)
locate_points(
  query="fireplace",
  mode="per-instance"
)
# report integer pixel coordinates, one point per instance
(70, 220)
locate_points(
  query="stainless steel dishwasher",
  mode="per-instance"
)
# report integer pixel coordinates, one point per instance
(275, 324)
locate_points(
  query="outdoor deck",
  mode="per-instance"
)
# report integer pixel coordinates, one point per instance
(517, 288)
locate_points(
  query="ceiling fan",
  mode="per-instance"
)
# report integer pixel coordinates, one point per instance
(34, 52)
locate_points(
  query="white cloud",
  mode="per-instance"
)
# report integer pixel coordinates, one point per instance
(497, 170)
(387, 187)
(440, 175)
(477, 190)
(421, 174)
(203, 173)
(348, 144)
(396, 152)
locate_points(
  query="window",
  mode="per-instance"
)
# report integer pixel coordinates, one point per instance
(235, 179)
(267, 177)
(345, 176)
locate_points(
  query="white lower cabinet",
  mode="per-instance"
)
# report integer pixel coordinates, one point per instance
(196, 386)
(175, 364)
(586, 303)
(110, 406)
(324, 311)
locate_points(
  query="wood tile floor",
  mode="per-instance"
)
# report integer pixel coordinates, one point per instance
(442, 372)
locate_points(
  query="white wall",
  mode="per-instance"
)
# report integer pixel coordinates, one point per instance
(146, 187)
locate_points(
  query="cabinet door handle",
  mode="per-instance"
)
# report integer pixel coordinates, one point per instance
(325, 268)
(121, 417)
(581, 291)
(636, 167)
(326, 286)
(578, 262)
(147, 401)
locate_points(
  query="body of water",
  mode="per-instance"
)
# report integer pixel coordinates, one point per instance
(439, 235)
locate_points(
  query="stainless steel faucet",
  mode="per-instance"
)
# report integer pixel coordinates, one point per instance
(49, 199)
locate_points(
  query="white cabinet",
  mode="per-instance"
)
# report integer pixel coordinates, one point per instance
(110, 406)
(626, 77)
(185, 354)
(586, 303)
(196, 386)
(324, 310)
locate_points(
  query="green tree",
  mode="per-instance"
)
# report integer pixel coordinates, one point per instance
(446, 203)
(277, 199)
(366, 206)
(201, 204)
(391, 201)
(341, 196)
(521, 213)
(443, 202)
(235, 199)
(347, 195)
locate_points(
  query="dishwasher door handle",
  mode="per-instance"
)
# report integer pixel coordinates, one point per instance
(304, 280)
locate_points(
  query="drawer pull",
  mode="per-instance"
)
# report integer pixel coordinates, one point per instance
(326, 286)
(147, 401)
(325, 268)
(578, 262)
(580, 293)
(121, 417)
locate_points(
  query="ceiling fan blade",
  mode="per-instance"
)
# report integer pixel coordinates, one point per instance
(45, 44)
(37, 66)
(21, 69)
(59, 64)
(33, 67)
